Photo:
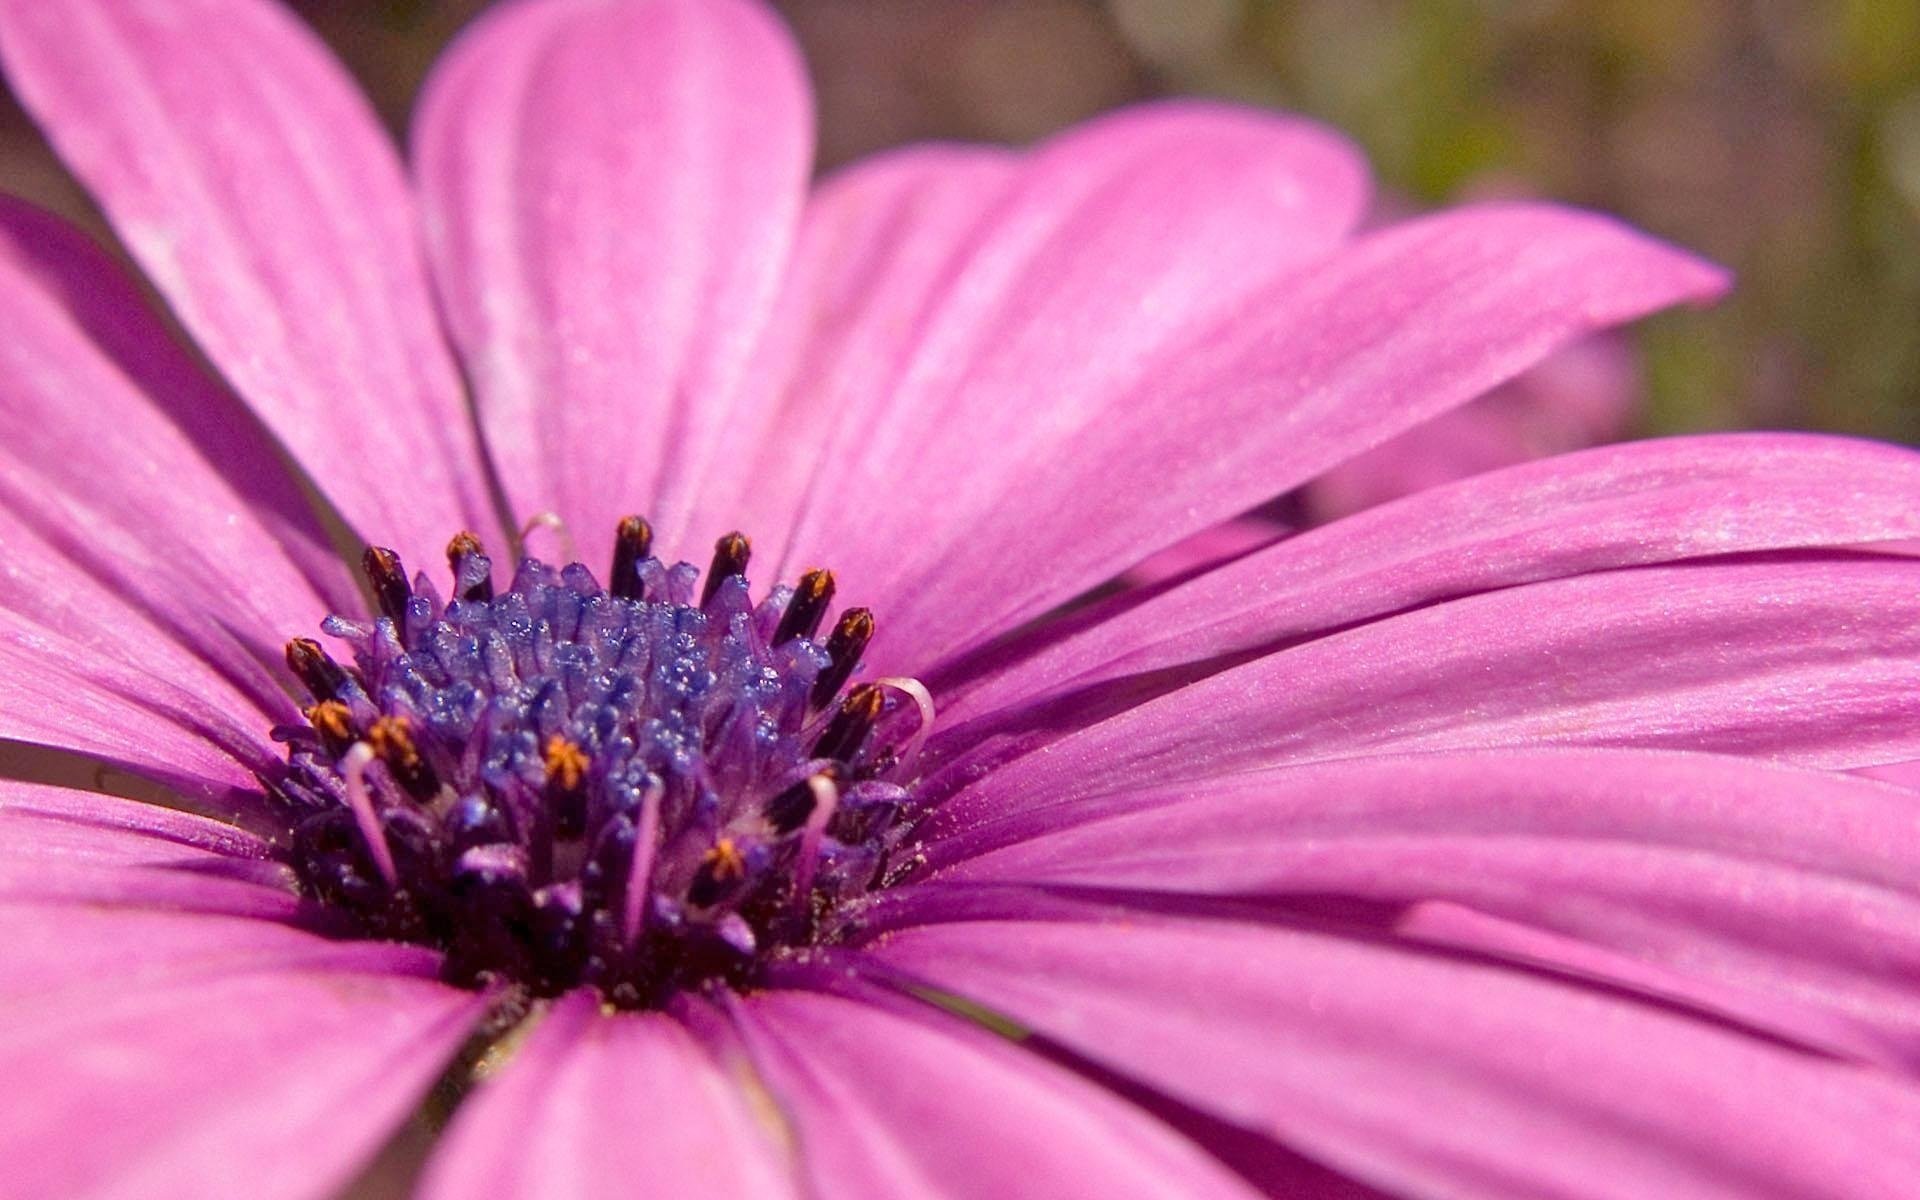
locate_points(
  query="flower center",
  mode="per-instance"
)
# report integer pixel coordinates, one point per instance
(639, 788)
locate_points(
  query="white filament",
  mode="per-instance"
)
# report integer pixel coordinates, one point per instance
(354, 769)
(552, 521)
(916, 691)
(826, 798)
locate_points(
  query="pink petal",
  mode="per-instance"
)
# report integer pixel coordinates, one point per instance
(1794, 895)
(595, 1105)
(164, 829)
(1643, 502)
(95, 887)
(878, 244)
(1208, 550)
(1331, 360)
(1583, 396)
(898, 1107)
(252, 182)
(610, 191)
(106, 683)
(171, 1041)
(1429, 1075)
(1115, 242)
(1807, 662)
(1905, 773)
(64, 846)
(158, 486)
(278, 1081)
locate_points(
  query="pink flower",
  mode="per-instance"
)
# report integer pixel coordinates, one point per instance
(1393, 858)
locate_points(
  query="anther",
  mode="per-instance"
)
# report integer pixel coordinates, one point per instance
(389, 580)
(720, 868)
(730, 555)
(848, 729)
(472, 569)
(316, 671)
(632, 542)
(392, 741)
(789, 809)
(334, 723)
(566, 764)
(844, 647)
(805, 610)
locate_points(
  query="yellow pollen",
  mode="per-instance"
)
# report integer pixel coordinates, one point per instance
(566, 763)
(725, 860)
(331, 719)
(392, 739)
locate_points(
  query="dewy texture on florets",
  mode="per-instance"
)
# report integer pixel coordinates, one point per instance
(637, 787)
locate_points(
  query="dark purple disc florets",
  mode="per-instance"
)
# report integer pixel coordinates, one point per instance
(639, 787)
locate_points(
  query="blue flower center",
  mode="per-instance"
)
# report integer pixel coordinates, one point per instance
(639, 787)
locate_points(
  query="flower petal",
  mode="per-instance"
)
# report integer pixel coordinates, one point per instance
(878, 242)
(107, 855)
(279, 1081)
(251, 180)
(1430, 1075)
(1114, 242)
(1793, 895)
(593, 1105)
(1333, 359)
(109, 684)
(1585, 395)
(900, 1107)
(1808, 661)
(162, 1012)
(164, 832)
(158, 486)
(1643, 502)
(610, 191)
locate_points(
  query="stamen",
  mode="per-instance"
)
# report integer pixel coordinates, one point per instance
(354, 770)
(789, 809)
(315, 669)
(633, 911)
(390, 588)
(552, 521)
(632, 542)
(333, 721)
(807, 608)
(392, 741)
(472, 569)
(922, 699)
(566, 764)
(730, 556)
(844, 647)
(720, 867)
(826, 800)
(849, 727)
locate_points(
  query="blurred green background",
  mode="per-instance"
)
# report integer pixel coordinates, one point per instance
(1782, 139)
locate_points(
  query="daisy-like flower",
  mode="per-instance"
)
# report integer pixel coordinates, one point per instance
(1390, 859)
